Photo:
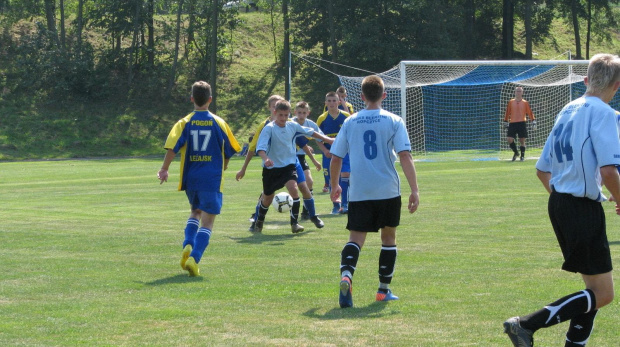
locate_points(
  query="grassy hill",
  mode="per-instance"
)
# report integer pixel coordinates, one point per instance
(134, 125)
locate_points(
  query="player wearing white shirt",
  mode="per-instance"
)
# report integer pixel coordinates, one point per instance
(276, 146)
(581, 152)
(372, 138)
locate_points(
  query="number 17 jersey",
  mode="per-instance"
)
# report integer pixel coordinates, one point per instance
(584, 138)
(205, 141)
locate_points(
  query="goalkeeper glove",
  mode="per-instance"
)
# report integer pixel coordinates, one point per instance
(533, 125)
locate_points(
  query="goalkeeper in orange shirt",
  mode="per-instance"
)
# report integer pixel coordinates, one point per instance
(517, 112)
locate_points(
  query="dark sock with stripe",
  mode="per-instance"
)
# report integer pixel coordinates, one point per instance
(513, 146)
(580, 329)
(349, 256)
(522, 148)
(295, 211)
(387, 260)
(566, 308)
(262, 212)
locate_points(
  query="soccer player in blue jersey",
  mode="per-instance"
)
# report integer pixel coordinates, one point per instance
(276, 146)
(302, 111)
(581, 152)
(344, 105)
(373, 138)
(206, 144)
(330, 123)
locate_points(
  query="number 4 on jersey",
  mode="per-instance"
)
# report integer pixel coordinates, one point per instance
(562, 144)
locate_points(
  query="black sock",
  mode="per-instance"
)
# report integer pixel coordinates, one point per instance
(522, 148)
(350, 254)
(513, 146)
(295, 211)
(387, 259)
(580, 329)
(262, 212)
(566, 308)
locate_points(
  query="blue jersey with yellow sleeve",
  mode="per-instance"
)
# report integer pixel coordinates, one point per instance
(252, 146)
(329, 125)
(204, 141)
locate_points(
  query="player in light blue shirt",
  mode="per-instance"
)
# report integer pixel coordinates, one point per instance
(277, 147)
(581, 153)
(373, 138)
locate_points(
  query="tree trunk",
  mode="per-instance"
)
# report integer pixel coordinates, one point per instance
(63, 35)
(175, 55)
(508, 29)
(273, 31)
(286, 48)
(213, 68)
(589, 29)
(528, 29)
(469, 43)
(50, 16)
(151, 33)
(575, 18)
(134, 41)
(80, 26)
(332, 34)
(190, 26)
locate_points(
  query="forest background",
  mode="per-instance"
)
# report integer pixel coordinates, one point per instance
(100, 78)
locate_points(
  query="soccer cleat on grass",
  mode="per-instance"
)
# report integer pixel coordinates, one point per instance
(521, 159)
(389, 296)
(296, 228)
(514, 157)
(257, 227)
(192, 267)
(317, 222)
(185, 254)
(346, 298)
(343, 210)
(252, 218)
(325, 188)
(519, 336)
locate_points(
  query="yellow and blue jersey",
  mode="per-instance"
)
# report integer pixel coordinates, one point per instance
(204, 142)
(329, 125)
(349, 109)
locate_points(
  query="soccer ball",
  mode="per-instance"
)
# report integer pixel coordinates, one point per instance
(282, 202)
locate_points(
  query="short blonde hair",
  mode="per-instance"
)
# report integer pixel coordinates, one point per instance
(603, 72)
(274, 98)
(283, 105)
(303, 105)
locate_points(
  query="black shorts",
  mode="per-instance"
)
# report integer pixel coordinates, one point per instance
(372, 215)
(517, 128)
(274, 179)
(579, 225)
(302, 162)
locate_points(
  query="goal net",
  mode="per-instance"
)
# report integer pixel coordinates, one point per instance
(454, 110)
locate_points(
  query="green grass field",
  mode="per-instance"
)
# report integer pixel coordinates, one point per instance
(89, 255)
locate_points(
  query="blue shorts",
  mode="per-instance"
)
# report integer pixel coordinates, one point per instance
(209, 202)
(346, 166)
(301, 177)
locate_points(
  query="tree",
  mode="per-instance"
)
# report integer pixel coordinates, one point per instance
(50, 16)
(508, 27)
(214, 46)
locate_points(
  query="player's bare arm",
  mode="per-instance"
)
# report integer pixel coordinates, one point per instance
(268, 162)
(406, 162)
(611, 180)
(246, 162)
(334, 170)
(163, 172)
(544, 178)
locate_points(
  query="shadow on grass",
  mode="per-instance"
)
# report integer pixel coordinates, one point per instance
(181, 278)
(281, 234)
(374, 310)
(614, 242)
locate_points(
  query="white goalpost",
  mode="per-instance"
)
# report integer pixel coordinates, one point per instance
(454, 109)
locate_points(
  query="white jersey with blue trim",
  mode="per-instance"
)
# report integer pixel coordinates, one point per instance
(308, 124)
(372, 138)
(279, 142)
(584, 138)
